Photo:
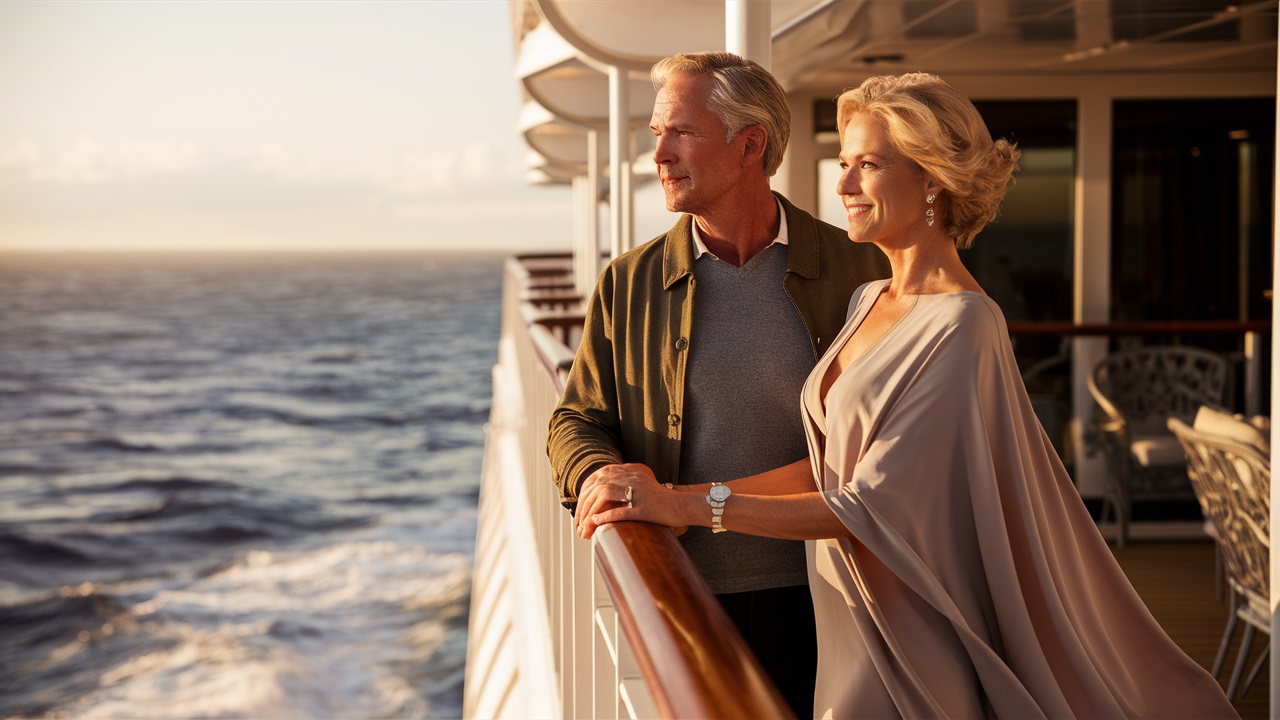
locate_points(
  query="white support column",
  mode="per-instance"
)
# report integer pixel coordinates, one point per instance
(748, 32)
(620, 200)
(1092, 256)
(591, 268)
(580, 221)
(1092, 284)
(628, 191)
(1275, 432)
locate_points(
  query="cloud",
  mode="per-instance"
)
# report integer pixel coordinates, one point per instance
(414, 173)
(86, 160)
(90, 193)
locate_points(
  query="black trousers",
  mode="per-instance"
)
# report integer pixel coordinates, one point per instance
(778, 626)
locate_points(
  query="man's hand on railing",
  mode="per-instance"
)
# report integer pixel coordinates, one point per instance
(627, 485)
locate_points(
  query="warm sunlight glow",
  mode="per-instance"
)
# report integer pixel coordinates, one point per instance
(265, 126)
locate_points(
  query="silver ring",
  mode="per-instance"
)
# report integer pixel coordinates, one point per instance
(628, 496)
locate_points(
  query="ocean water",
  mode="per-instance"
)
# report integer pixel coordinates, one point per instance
(240, 487)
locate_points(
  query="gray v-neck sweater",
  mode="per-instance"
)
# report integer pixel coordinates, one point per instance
(749, 355)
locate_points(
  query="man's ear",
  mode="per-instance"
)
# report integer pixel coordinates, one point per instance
(755, 138)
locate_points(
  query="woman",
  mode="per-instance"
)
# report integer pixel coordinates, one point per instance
(955, 571)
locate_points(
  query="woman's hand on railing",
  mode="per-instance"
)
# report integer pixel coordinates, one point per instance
(631, 491)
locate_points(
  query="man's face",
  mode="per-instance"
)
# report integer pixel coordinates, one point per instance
(696, 166)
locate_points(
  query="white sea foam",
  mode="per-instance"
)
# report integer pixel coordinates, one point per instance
(316, 634)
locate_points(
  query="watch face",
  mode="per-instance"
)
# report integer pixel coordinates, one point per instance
(720, 493)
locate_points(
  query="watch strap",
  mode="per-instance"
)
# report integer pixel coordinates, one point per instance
(717, 509)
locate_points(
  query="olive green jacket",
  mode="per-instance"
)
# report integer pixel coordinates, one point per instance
(625, 392)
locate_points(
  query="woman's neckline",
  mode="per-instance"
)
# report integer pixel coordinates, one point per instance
(887, 282)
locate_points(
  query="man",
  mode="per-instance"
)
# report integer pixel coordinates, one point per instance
(710, 391)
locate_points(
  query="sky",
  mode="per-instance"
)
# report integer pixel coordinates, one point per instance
(202, 125)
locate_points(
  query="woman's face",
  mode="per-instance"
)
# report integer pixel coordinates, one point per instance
(883, 192)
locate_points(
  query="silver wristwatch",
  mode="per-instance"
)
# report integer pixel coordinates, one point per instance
(715, 498)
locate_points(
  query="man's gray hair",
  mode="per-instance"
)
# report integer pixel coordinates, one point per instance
(742, 93)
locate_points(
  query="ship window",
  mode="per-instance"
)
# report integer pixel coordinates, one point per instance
(1192, 198)
(1024, 259)
(1191, 215)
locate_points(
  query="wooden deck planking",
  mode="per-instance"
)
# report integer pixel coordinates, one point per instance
(1176, 581)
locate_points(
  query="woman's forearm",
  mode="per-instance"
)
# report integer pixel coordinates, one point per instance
(786, 480)
(803, 516)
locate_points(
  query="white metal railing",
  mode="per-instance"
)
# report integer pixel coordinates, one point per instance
(589, 666)
(598, 673)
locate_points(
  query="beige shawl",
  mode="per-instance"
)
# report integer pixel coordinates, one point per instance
(976, 583)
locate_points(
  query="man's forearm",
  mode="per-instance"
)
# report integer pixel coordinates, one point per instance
(576, 448)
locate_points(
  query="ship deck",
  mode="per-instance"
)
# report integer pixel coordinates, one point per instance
(1176, 579)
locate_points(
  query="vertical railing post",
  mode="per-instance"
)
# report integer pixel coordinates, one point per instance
(605, 648)
(584, 613)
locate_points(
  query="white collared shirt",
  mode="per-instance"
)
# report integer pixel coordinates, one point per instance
(700, 247)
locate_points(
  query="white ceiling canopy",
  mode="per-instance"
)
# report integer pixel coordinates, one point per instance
(543, 171)
(570, 85)
(845, 40)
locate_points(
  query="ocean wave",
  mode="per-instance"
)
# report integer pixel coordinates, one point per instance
(222, 519)
(117, 443)
(58, 615)
(337, 355)
(364, 629)
(171, 484)
(34, 468)
(473, 417)
(286, 408)
(18, 547)
(56, 646)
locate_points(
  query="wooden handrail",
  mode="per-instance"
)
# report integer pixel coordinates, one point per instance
(555, 357)
(694, 662)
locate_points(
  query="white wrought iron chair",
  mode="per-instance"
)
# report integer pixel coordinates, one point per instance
(1232, 481)
(1137, 390)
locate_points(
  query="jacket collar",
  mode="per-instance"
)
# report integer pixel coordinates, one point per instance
(802, 245)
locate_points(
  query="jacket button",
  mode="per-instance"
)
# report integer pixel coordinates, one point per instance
(681, 344)
(673, 419)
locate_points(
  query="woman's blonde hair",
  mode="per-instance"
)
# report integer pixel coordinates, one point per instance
(938, 128)
(742, 93)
